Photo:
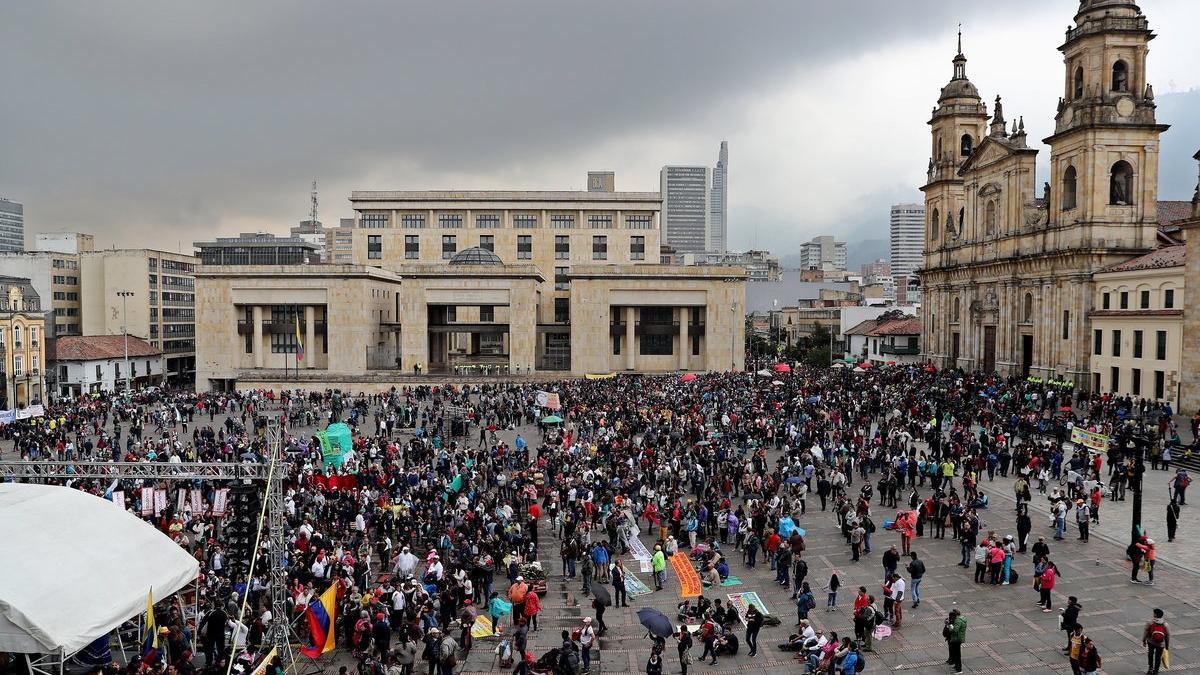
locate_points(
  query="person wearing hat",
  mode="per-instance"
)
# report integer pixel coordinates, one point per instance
(587, 639)
(516, 595)
(1083, 517)
(1146, 547)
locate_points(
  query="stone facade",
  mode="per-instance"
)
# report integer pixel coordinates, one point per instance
(1190, 390)
(22, 344)
(1007, 276)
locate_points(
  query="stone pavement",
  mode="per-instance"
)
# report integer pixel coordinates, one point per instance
(1006, 632)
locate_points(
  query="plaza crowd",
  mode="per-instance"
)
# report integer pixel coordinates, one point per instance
(433, 519)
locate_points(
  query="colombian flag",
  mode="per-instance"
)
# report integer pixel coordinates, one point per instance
(299, 341)
(150, 642)
(321, 617)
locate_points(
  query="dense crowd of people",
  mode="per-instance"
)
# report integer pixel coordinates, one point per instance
(433, 519)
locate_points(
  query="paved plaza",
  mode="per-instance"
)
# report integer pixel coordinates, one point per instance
(1006, 632)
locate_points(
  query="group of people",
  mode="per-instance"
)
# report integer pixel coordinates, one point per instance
(442, 492)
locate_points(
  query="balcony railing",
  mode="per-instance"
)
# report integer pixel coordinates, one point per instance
(664, 328)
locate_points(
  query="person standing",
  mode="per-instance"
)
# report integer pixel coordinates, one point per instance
(587, 639)
(658, 563)
(916, 571)
(620, 598)
(897, 593)
(684, 646)
(1172, 520)
(654, 665)
(1156, 638)
(1146, 546)
(1070, 618)
(955, 632)
(1083, 517)
(1046, 584)
(754, 623)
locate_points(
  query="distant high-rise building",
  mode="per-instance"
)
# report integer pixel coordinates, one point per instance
(12, 226)
(823, 253)
(685, 207)
(719, 203)
(908, 236)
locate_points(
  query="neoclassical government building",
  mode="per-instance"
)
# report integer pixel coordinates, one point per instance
(1007, 274)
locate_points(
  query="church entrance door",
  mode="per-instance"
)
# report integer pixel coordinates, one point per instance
(989, 349)
(1026, 354)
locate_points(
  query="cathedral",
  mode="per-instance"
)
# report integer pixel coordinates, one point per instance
(1007, 275)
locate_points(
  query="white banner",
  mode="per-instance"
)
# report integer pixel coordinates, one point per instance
(147, 501)
(219, 501)
(181, 500)
(31, 411)
(118, 498)
(197, 502)
(160, 500)
(638, 550)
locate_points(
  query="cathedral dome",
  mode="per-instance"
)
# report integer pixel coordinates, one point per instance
(1099, 8)
(476, 256)
(959, 86)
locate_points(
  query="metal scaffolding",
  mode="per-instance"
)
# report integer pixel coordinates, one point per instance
(278, 632)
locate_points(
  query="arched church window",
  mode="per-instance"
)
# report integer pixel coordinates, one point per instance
(939, 149)
(989, 217)
(1078, 83)
(1120, 76)
(967, 144)
(955, 313)
(1027, 308)
(1120, 184)
(935, 225)
(1069, 189)
(962, 222)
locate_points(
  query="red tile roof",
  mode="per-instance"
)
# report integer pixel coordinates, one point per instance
(1159, 258)
(1170, 212)
(98, 347)
(863, 328)
(909, 326)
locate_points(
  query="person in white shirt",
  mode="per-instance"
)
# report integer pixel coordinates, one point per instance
(897, 595)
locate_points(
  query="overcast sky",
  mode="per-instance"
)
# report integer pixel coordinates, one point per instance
(160, 123)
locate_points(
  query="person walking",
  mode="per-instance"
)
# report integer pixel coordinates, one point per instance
(805, 602)
(955, 633)
(1156, 638)
(1172, 520)
(916, 571)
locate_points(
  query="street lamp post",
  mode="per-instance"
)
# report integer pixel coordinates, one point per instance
(125, 295)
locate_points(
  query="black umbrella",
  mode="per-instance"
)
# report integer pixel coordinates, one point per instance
(656, 622)
(600, 593)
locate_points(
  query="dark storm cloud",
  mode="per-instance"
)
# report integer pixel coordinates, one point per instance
(141, 119)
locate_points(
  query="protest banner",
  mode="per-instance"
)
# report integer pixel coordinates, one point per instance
(118, 498)
(197, 502)
(160, 501)
(635, 586)
(548, 400)
(689, 580)
(1089, 439)
(220, 500)
(147, 501)
(741, 603)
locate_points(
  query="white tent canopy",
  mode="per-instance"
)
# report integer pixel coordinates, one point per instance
(75, 567)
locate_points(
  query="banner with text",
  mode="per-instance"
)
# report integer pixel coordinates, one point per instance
(689, 580)
(547, 399)
(1089, 439)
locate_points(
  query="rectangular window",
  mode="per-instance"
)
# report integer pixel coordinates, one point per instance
(1066, 327)
(283, 343)
(637, 248)
(1107, 303)
(373, 221)
(99, 373)
(638, 221)
(1124, 299)
(449, 246)
(413, 221)
(1135, 381)
(695, 344)
(616, 345)
(487, 221)
(1169, 299)
(561, 282)
(524, 221)
(524, 247)
(487, 313)
(1114, 379)
(450, 221)
(374, 247)
(412, 247)
(1116, 343)
(600, 247)
(1160, 345)
(488, 242)
(1160, 384)
(1137, 344)
(562, 221)
(562, 247)
(600, 221)
(1144, 300)
(562, 310)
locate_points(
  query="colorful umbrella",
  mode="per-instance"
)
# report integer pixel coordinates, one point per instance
(551, 419)
(782, 368)
(688, 377)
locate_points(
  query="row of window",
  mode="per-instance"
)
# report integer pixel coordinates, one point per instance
(491, 221)
(19, 365)
(1135, 382)
(1168, 299)
(63, 295)
(18, 336)
(1160, 344)
(562, 246)
(63, 264)
(66, 280)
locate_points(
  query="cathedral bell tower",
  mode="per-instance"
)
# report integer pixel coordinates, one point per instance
(957, 126)
(1104, 151)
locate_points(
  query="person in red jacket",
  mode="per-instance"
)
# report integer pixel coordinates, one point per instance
(1046, 584)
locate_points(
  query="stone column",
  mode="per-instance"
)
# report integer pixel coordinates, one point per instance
(684, 347)
(258, 335)
(310, 334)
(630, 362)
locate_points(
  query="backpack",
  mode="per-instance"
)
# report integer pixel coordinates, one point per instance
(878, 619)
(860, 664)
(1158, 634)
